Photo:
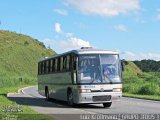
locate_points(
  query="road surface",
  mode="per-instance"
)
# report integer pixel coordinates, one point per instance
(59, 109)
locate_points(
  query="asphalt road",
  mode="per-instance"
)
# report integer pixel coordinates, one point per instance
(60, 110)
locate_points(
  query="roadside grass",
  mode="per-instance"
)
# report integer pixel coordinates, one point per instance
(147, 97)
(13, 79)
(19, 55)
(138, 84)
(25, 112)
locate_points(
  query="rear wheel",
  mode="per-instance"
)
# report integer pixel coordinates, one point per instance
(70, 98)
(107, 105)
(47, 94)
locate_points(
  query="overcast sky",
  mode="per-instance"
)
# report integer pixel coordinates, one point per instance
(131, 27)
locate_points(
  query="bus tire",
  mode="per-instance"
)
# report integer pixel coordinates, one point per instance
(47, 94)
(70, 98)
(107, 105)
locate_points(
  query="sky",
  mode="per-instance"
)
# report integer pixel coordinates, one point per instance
(131, 27)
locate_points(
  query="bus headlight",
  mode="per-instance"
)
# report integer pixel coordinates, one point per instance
(117, 89)
(84, 90)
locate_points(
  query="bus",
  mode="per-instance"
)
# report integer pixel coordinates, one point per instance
(84, 76)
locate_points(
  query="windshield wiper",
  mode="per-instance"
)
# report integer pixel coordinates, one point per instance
(109, 79)
(96, 80)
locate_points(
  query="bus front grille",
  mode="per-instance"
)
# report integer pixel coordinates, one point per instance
(102, 98)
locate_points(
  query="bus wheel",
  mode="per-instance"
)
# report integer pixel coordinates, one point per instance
(47, 94)
(70, 98)
(107, 105)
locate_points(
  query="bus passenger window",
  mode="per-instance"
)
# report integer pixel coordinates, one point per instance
(61, 64)
(44, 67)
(39, 68)
(64, 62)
(56, 64)
(51, 62)
(49, 66)
(74, 62)
(68, 63)
(53, 65)
(74, 65)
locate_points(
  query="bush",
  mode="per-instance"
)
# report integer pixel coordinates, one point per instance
(149, 89)
(26, 43)
(131, 88)
(29, 80)
(42, 44)
(13, 79)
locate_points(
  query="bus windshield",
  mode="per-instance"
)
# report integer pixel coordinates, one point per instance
(102, 68)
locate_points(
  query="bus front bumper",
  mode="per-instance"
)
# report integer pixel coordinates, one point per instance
(98, 97)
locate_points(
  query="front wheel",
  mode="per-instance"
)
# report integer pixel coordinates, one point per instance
(107, 105)
(70, 98)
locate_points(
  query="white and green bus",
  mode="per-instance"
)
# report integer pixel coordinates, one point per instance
(83, 76)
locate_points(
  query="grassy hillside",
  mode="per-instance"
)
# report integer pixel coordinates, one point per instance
(19, 55)
(137, 82)
(130, 70)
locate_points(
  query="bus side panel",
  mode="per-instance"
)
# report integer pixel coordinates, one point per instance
(41, 86)
(57, 84)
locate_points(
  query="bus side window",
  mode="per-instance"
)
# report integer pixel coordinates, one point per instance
(49, 66)
(56, 64)
(72, 67)
(64, 63)
(74, 62)
(44, 67)
(71, 63)
(39, 68)
(68, 63)
(61, 64)
(51, 62)
(53, 65)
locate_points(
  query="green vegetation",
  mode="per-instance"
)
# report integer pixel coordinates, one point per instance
(27, 113)
(148, 97)
(137, 83)
(19, 55)
(148, 65)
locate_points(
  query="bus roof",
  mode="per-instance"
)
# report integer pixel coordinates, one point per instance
(84, 51)
(93, 51)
